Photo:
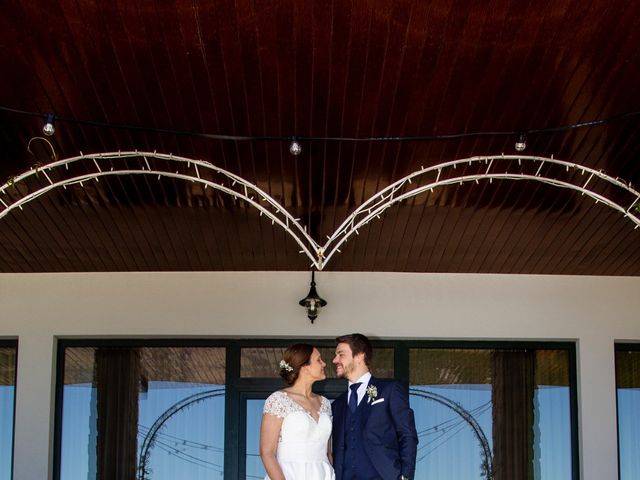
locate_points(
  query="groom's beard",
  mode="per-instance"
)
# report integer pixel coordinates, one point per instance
(344, 371)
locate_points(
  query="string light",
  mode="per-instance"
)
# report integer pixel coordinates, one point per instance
(240, 138)
(48, 128)
(295, 148)
(521, 142)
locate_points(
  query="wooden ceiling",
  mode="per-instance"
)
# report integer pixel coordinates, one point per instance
(174, 69)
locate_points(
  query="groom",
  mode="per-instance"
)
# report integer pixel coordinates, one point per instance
(374, 432)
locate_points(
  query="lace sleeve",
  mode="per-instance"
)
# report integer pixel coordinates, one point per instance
(275, 405)
(325, 406)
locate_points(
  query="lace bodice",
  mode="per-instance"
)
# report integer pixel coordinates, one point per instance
(280, 404)
(303, 442)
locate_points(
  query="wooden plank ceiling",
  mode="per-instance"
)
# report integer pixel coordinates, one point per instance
(353, 69)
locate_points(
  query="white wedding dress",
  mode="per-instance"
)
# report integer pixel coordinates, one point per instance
(302, 447)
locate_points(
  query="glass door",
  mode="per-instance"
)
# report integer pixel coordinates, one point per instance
(251, 412)
(253, 415)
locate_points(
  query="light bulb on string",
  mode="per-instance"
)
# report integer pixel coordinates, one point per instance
(295, 148)
(521, 142)
(48, 129)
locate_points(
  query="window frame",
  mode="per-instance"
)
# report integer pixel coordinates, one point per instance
(621, 347)
(12, 343)
(237, 387)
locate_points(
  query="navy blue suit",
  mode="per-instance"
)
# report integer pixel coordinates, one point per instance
(384, 436)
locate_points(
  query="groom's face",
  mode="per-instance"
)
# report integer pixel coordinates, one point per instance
(343, 361)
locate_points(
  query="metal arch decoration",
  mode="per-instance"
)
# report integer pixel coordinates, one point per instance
(150, 437)
(487, 456)
(489, 169)
(228, 183)
(593, 183)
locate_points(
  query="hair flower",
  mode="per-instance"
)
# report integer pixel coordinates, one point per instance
(285, 366)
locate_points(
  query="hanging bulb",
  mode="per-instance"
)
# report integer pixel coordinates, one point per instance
(521, 142)
(313, 306)
(48, 128)
(295, 148)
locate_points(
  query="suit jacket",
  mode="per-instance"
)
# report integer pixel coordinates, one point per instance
(389, 432)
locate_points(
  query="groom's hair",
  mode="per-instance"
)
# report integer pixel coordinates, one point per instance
(358, 344)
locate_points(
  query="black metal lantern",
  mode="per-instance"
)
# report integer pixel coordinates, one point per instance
(312, 302)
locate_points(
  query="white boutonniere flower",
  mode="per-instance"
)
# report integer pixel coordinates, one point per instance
(372, 393)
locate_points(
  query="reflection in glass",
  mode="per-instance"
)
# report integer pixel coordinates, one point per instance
(7, 401)
(262, 362)
(491, 414)
(253, 463)
(628, 397)
(171, 399)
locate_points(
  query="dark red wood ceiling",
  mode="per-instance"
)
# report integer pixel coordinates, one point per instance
(320, 69)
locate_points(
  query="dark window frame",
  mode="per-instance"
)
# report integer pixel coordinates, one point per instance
(237, 388)
(12, 343)
(621, 347)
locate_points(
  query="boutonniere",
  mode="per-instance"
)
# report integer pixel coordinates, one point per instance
(372, 393)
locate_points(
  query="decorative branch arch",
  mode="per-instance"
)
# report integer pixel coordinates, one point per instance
(587, 181)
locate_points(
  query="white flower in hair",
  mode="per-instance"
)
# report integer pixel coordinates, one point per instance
(285, 366)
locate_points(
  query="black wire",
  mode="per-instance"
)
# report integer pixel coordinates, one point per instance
(450, 136)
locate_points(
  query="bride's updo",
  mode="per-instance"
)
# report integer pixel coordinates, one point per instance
(294, 358)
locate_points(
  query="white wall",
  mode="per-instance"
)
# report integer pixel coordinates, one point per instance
(595, 311)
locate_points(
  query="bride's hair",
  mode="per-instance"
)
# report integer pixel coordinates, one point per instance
(295, 357)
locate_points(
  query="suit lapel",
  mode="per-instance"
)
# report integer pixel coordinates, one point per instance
(366, 407)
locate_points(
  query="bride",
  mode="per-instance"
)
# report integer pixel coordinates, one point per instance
(296, 423)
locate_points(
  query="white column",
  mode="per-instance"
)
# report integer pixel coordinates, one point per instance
(34, 407)
(597, 411)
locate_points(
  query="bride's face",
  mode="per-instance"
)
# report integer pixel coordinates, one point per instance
(316, 366)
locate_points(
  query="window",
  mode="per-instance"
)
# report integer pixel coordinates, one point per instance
(262, 362)
(8, 351)
(192, 409)
(142, 412)
(628, 398)
(500, 413)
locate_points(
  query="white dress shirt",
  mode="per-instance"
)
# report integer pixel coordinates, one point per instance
(362, 389)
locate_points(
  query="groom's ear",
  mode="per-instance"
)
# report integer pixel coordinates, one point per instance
(359, 357)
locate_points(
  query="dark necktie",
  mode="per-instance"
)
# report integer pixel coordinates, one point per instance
(353, 399)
